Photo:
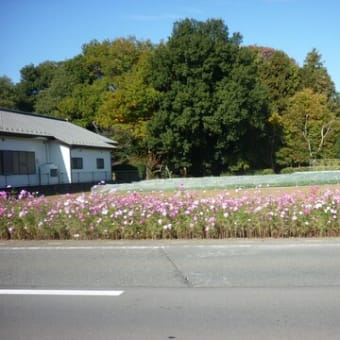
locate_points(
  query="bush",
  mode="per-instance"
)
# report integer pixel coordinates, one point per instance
(126, 173)
(289, 170)
(264, 172)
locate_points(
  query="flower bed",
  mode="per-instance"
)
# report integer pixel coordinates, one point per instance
(181, 214)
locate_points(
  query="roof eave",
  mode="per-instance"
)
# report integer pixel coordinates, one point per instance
(77, 145)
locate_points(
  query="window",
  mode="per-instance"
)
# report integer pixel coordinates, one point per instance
(77, 163)
(17, 162)
(54, 172)
(100, 163)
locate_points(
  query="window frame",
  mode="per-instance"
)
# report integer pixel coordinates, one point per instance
(77, 163)
(17, 162)
(100, 163)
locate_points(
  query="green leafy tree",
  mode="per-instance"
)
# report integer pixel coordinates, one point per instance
(129, 101)
(34, 80)
(110, 58)
(82, 105)
(78, 84)
(66, 78)
(242, 116)
(310, 129)
(315, 76)
(281, 77)
(103, 88)
(211, 103)
(7, 93)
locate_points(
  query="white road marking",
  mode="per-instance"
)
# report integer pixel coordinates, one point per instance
(80, 247)
(61, 292)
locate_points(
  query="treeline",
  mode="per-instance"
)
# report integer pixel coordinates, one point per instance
(198, 104)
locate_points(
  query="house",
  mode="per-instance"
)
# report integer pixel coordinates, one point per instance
(38, 150)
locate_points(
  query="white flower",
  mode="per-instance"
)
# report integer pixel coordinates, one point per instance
(167, 226)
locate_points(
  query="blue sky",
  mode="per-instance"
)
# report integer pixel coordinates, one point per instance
(33, 31)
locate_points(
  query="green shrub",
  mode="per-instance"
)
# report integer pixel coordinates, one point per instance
(264, 172)
(288, 170)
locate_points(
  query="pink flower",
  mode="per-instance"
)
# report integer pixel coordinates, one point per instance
(306, 211)
(3, 195)
(22, 213)
(23, 194)
(211, 220)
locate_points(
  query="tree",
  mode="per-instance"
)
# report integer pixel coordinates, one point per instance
(34, 79)
(210, 97)
(7, 93)
(130, 103)
(111, 58)
(126, 101)
(103, 88)
(315, 76)
(242, 115)
(281, 77)
(70, 74)
(82, 105)
(308, 125)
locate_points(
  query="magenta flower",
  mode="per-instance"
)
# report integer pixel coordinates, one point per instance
(3, 195)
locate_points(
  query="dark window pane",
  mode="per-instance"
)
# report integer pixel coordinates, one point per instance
(77, 163)
(17, 162)
(100, 163)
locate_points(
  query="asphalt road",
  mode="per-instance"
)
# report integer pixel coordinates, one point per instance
(264, 289)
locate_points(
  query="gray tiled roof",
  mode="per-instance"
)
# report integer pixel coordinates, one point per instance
(15, 122)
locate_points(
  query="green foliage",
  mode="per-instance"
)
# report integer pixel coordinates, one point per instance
(68, 74)
(289, 170)
(280, 75)
(308, 124)
(197, 104)
(7, 93)
(264, 172)
(315, 76)
(132, 100)
(212, 104)
(34, 80)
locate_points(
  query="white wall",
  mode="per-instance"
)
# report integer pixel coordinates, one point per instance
(60, 155)
(90, 173)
